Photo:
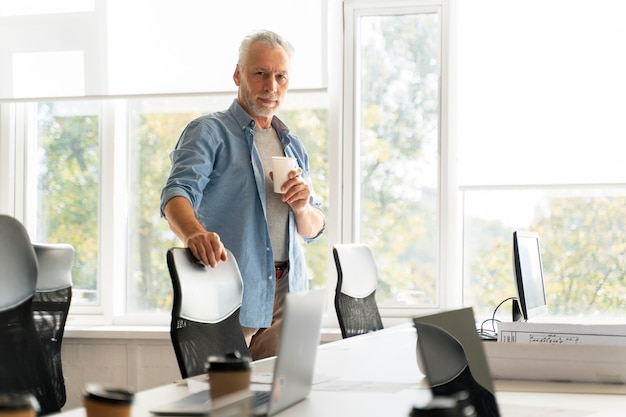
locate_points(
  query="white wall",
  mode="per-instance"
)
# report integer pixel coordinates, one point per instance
(134, 364)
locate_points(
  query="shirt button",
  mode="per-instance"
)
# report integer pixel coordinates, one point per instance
(269, 277)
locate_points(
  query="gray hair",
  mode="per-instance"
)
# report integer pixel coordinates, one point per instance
(272, 39)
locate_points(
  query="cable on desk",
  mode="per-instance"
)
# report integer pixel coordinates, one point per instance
(491, 334)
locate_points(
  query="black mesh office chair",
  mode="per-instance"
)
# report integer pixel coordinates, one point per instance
(23, 368)
(205, 311)
(51, 304)
(355, 295)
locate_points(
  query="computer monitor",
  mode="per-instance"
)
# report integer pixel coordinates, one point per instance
(529, 275)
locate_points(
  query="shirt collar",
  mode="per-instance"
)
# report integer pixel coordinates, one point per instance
(244, 120)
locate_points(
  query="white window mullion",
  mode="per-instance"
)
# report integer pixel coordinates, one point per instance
(26, 195)
(112, 228)
(450, 245)
(8, 175)
(349, 201)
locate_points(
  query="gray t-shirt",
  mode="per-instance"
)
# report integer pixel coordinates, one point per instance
(268, 145)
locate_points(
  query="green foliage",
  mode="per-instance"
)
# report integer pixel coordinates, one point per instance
(149, 284)
(584, 246)
(398, 161)
(69, 189)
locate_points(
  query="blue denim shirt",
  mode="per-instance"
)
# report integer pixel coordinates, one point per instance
(216, 166)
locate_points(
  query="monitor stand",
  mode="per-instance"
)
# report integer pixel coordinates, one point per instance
(516, 310)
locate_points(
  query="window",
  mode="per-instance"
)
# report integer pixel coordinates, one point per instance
(395, 151)
(67, 167)
(541, 147)
(154, 127)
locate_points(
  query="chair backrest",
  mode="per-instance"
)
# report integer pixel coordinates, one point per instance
(355, 295)
(23, 366)
(51, 304)
(205, 311)
(452, 357)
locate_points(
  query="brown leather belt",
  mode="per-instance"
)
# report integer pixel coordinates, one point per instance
(279, 266)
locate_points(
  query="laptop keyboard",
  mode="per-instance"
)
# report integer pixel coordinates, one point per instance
(260, 397)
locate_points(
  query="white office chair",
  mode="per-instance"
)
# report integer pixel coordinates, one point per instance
(355, 295)
(205, 311)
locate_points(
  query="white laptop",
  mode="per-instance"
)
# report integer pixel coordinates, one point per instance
(292, 378)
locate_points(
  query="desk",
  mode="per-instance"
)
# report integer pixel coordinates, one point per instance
(377, 375)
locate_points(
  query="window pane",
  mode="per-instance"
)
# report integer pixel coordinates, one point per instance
(155, 126)
(581, 232)
(69, 170)
(397, 153)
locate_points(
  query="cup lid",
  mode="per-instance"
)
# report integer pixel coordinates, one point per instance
(233, 361)
(109, 394)
(18, 401)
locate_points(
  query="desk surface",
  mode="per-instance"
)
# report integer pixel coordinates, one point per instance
(377, 375)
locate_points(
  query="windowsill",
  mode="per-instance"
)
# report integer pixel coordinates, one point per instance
(150, 332)
(117, 332)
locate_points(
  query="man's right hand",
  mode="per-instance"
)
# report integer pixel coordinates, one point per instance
(205, 246)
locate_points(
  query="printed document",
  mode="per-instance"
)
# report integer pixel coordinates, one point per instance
(562, 334)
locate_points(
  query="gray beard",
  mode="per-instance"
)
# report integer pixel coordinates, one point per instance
(260, 111)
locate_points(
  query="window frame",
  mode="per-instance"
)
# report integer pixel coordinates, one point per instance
(449, 278)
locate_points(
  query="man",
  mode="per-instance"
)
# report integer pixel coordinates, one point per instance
(219, 193)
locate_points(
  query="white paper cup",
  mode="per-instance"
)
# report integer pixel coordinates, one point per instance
(281, 165)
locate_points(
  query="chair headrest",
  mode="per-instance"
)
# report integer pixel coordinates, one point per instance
(358, 269)
(55, 265)
(19, 264)
(208, 295)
